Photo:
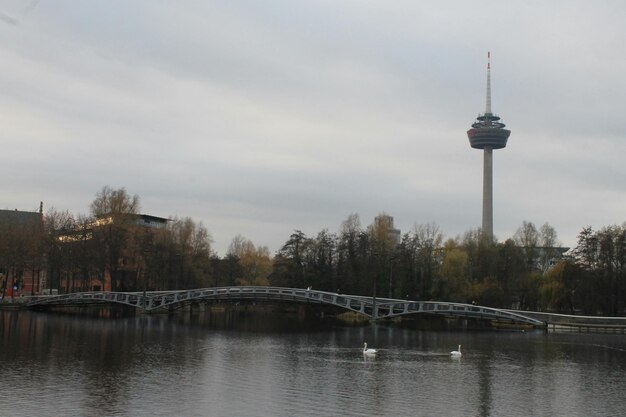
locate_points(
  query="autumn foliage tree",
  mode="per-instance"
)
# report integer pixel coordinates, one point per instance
(255, 264)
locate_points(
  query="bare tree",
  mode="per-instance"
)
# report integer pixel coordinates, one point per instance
(527, 237)
(114, 212)
(549, 246)
(192, 253)
(110, 202)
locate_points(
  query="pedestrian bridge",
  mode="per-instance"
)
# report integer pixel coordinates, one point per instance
(374, 308)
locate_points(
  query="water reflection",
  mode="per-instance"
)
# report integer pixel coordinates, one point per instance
(266, 365)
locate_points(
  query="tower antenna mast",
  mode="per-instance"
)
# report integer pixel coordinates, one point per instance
(488, 106)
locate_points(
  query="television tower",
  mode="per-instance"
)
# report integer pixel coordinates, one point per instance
(488, 133)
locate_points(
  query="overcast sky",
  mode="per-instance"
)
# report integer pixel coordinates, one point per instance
(257, 118)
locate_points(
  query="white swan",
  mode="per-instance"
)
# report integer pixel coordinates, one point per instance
(456, 353)
(367, 351)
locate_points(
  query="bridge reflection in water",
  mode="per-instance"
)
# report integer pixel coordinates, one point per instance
(374, 308)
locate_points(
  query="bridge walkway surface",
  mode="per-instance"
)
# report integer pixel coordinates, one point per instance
(577, 323)
(374, 308)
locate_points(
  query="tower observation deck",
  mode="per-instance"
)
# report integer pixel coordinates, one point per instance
(488, 133)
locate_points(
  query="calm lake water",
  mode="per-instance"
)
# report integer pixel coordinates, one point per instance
(237, 365)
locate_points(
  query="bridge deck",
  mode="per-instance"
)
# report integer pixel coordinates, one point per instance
(378, 308)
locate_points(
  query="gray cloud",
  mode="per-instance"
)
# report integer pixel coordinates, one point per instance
(258, 118)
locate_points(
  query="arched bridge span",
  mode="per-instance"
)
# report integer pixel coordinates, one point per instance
(379, 308)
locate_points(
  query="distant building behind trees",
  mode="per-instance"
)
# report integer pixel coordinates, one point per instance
(385, 222)
(22, 256)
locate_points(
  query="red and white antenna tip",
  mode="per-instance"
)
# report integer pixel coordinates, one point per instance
(488, 60)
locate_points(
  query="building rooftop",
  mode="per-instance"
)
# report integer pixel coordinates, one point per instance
(21, 218)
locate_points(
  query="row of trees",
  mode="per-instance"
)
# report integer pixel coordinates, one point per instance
(594, 279)
(110, 246)
(526, 271)
(111, 241)
(422, 265)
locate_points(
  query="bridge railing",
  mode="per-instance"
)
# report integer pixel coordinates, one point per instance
(572, 319)
(368, 306)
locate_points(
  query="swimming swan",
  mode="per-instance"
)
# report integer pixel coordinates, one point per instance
(367, 351)
(456, 353)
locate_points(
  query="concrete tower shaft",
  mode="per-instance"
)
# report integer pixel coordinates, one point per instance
(488, 133)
